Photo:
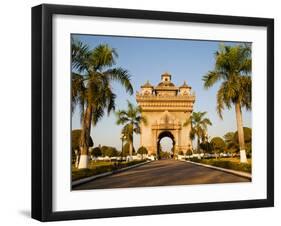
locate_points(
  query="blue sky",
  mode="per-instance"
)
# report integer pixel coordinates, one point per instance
(146, 59)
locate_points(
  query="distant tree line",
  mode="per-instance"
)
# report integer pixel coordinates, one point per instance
(228, 143)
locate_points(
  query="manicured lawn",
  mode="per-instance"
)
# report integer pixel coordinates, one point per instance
(228, 163)
(99, 167)
(235, 160)
(93, 164)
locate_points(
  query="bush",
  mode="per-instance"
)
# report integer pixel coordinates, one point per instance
(164, 155)
(195, 159)
(189, 152)
(231, 139)
(231, 165)
(227, 164)
(142, 150)
(95, 170)
(247, 135)
(109, 151)
(180, 153)
(218, 144)
(206, 147)
(96, 152)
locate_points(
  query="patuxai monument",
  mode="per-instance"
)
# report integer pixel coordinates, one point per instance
(166, 107)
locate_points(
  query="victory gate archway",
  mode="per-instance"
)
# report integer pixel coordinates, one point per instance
(166, 134)
(166, 107)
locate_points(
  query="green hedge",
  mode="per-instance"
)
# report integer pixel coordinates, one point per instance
(245, 167)
(83, 173)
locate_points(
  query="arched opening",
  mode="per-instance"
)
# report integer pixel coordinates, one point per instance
(165, 145)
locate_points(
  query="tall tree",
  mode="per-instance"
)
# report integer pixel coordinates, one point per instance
(233, 67)
(92, 74)
(199, 126)
(131, 119)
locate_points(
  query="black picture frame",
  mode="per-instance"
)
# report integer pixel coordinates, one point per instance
(42, 111)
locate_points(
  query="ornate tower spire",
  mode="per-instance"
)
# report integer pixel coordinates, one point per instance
(166, 77)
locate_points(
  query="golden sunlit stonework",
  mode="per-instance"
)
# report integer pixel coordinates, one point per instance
(166, 107)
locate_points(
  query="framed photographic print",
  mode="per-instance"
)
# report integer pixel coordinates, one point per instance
(145, 112)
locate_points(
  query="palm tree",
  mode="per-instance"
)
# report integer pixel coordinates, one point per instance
(92, 74)
(131, 119)
(199, 126)
(233, 67)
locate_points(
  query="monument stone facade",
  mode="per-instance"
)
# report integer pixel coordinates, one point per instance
(166, 108)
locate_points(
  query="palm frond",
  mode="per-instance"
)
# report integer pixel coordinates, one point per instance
(246, 92)
(109, 98)
(122, 76)
(210, 79)
(80, 53)
(206, 122)
(122, 117)
(98, 113)
(220, 101)
(192, 134)
(77, 92)
(187, 122)
(103, 56)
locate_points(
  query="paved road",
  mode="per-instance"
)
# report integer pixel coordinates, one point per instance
(163, 172)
